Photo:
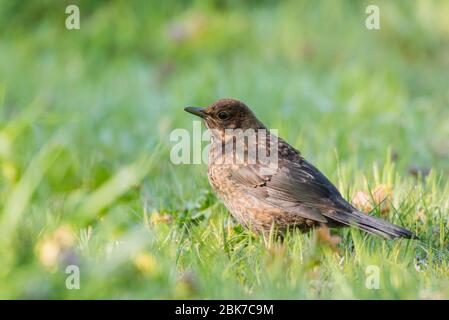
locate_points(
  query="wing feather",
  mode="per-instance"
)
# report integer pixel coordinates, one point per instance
(296, 187)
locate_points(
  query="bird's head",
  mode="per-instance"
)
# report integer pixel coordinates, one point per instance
(227, 114)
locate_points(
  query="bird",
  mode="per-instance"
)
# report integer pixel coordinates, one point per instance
(289, 193)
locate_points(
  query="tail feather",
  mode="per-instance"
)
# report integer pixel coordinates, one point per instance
(372, 225)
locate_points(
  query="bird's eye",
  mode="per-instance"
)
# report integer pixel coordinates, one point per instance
(223, 115)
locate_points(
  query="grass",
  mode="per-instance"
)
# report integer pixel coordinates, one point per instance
(85, 119)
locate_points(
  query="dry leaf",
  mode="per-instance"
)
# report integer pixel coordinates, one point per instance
(53, 247)
(324, 237)
(381, 197)
(157, 218)
(421, 215)
(362, 201)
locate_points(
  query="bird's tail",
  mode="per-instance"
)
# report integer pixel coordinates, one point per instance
(373, 225)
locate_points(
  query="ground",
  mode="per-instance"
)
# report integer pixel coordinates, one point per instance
(92, 207)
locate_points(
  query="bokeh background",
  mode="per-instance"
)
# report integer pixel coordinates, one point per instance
(86, 115)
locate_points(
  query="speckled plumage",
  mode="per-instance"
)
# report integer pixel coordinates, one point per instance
(292, 194)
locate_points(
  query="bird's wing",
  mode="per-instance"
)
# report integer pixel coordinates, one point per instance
(296, 187)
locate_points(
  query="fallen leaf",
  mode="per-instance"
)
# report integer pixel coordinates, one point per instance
(324, 237)
(157, 218)
(381, 198)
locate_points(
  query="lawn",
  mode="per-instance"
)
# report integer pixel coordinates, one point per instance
(92, 207)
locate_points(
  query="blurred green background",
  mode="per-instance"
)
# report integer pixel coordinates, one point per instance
(85, 120)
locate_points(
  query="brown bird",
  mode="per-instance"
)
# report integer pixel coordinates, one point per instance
(288, 192)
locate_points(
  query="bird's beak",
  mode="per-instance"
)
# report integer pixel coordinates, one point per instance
(198, 111)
